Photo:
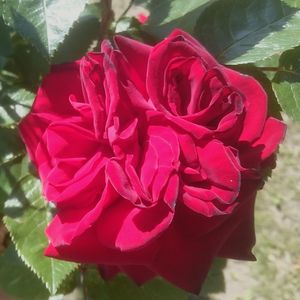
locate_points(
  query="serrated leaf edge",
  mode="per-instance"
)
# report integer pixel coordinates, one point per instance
(51, 289)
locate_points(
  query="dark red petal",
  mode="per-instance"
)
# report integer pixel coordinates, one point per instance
(92, 80)
(139, 274)
(254, 154)
(241, 241)
(86, 248)
(202, 52)
(255, 103)
(108, 272)
(126, 227)
(136, 53)
(185, 262)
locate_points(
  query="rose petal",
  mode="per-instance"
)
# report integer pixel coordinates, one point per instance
(136, 53)
(96, 253)
(193, 257)
(255, 103)
(120, 181)
(202, 52)
(139, 274)
(127, 227)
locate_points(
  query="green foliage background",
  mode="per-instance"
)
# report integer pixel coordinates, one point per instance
(257, 37)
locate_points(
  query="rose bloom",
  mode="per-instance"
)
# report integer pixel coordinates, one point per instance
(153, 157)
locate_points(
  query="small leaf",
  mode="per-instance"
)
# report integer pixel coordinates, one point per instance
(17, 280)
(286, 83)
(27, 63)
(122, 287)
(45, 23)
(84, 32)
(5, 45)
(13, 164)
(15, 103)
(168, 14)
(124, 24)
(26, 219)
(215, 281)
(247, 31)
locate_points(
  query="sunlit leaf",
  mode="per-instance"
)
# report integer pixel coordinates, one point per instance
(44, 22)
(123, 288)
(15, 103)
(250, 30)
(286, 83)
(26, 219)
(168, 14)
(17, 280)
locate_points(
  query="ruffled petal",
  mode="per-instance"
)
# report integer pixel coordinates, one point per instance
(255, 103)
(126, 227)
(136, 53)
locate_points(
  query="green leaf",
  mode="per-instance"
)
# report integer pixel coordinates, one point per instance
(15, 103)
(123, 288)
(10, 171)
(286, 83)
(247, 31)
(5, 45)
(168, 14)
(45, 23)
(215, 281)
(17, 280)
(125, 24)
(13, 164)
(84, 32)
(27, 63)
(26, 219)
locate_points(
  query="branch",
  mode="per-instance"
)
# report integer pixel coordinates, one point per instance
(106, 18)
(126, 10)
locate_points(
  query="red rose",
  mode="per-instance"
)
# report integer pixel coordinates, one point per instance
(153, 157)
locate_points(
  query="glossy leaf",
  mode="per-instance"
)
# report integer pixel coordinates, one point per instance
(80, 38)
(27, 63)
(168, 14)
(26, 219)
(44, 22)
(17, 280)
(286, 83)
(14, 105)
(13, 164)
(123, 288)
(250, 30)
(215, 281)
(5, 45)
